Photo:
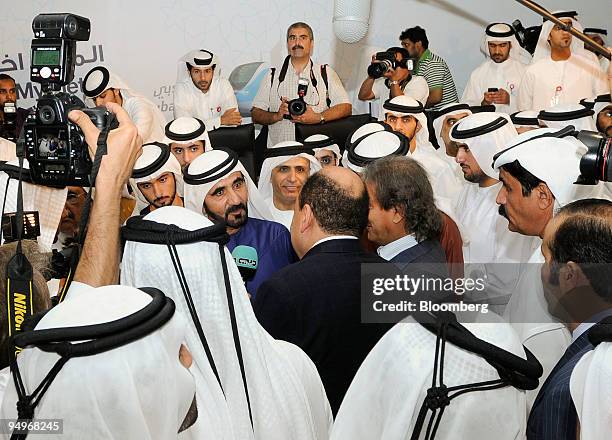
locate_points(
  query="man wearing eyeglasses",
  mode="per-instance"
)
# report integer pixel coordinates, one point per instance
(325, 97)
(68, 228)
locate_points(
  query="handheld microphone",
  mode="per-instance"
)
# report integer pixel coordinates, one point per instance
(247, 260)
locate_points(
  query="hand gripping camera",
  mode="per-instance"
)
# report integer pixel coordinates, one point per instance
(55, 147)
(384, 62)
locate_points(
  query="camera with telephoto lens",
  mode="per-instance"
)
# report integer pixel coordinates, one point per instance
(297, 107)
(55, 147)
(596, 164)
(8, 127)
(385, 61)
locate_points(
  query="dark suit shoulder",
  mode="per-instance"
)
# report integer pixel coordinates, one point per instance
(427, 251)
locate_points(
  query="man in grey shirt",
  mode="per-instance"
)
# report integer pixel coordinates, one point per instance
(326, 99)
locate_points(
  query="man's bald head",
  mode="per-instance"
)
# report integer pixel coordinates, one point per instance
(345, 179)
(338, 199)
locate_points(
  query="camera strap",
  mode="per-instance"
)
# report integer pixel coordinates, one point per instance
(313, 80)
(67, 343)
(324, 78)
(101, 150)
(19, 273)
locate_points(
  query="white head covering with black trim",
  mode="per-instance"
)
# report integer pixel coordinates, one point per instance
(373, 146)
(144, 113)
(437, 118)
(542, 49)
(485, 134)
(285, 151)
(286, 398)
(99, 79)
(48, 201)
(320, 142)
(196, 58)
(598, 104)
(208, 169)
(395, 380)
(503, 32)
(155, 160)
(186, 130)
(403, 105)
(554, 161)
(599, 32)
(527, 118)
(562, 115)
(116, 393)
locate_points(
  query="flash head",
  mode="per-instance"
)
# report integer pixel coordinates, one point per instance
(64, 26)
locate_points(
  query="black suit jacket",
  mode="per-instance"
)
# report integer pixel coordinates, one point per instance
(428, 252)
(316, 304)
(553, 414)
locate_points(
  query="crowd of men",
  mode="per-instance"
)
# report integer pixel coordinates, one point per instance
(164, 332)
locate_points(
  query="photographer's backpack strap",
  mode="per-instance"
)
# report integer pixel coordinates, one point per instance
(324, 77)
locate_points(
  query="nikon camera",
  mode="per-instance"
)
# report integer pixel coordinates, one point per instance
(55, 147)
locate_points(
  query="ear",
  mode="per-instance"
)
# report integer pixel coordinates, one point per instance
(418, 127)
(573, 275)
(307, 218)
(546, 199)
(398, 216)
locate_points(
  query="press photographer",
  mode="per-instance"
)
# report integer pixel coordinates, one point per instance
(390, 75)
(325, 98)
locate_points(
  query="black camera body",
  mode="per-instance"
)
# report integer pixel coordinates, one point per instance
(386, 61)
(56, 149)
(297, 107)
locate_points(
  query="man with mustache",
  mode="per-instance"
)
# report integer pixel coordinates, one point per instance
(478, 138)
(218, 186)
(498, 79)
(562, 70)
(537, 174)
(325, 97)
(202, 93)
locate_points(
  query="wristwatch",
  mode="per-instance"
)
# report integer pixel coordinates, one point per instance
(393, 83)
(322, 120)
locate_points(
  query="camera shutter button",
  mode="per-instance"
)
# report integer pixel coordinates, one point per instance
(45, 72)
